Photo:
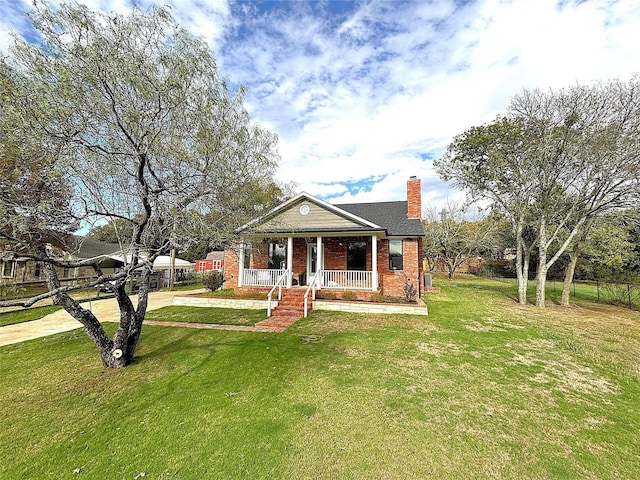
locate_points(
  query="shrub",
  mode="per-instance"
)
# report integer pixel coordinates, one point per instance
(326, 295)
(409, 291)
(377, 298)
(349, 296)
(213, 281)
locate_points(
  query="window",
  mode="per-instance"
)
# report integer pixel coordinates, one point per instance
(7, 269)
(277, 256)
(36, 270)
(65, 272)
(357, 255)
(395, 255)
(246, 261)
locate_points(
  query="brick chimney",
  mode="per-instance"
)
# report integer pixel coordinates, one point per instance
(414, 198)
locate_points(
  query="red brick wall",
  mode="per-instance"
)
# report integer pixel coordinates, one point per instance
(414, 198)
(230, 269)
(391, 282)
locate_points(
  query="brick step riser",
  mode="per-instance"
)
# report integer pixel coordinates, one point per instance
(299, 308)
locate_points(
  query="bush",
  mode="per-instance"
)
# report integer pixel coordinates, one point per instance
(377, 298)
(213, 281)
(409, 291)
(326, 295)
(349, 296)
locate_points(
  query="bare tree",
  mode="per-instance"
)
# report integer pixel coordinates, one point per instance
(450, 236)
(136, 127)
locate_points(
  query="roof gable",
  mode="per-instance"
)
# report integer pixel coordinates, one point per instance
(305, 213)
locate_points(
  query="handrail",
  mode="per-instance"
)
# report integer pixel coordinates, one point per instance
(313, 283)
(278, 284)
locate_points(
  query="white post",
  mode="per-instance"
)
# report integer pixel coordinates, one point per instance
(374, 263)
(289, 261)
(241, 264)
(319, 259)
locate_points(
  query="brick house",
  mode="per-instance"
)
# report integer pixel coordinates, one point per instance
(366, 248)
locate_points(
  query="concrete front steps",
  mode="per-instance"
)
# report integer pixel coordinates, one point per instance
(289, 310)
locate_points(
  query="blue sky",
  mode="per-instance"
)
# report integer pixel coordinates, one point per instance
(365, 94)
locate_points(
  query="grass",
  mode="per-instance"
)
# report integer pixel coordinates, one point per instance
(583, 291)
(480, 388)
(220, 316)
(230, 293)
(11, 315)
(186, 287)
(26, 315)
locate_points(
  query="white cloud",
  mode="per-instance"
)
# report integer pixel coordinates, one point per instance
(359, 92)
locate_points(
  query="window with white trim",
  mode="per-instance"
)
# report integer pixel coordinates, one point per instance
(395, 255)
(277, 255)
(7, 268)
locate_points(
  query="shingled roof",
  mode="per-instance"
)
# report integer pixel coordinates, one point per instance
(392, 216)
(86, 247)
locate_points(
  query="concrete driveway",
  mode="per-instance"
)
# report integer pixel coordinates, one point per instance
(60, 321)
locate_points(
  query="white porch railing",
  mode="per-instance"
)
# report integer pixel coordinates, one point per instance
(347, 279)
(252, 277)
(283, 278)
(313, 284)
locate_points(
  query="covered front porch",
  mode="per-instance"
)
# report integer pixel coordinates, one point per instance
(341, 262)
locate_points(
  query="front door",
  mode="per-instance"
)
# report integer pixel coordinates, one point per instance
(312, 262)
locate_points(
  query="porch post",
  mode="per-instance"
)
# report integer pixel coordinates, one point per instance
(241, 263)
(319, 259)
(374, 262)
(289, 260)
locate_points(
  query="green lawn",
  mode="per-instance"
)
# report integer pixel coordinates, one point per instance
(482, 388)
(221, 316)
(26, 315)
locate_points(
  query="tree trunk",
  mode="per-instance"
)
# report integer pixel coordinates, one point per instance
(574, 256)
(92, 326)
(522, 267)
(116, 353)
(541, 276)
(568, 277)
(451, 272)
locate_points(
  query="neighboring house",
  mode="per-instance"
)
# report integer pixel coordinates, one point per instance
(15, 268)
(213, 263)
(364, 247)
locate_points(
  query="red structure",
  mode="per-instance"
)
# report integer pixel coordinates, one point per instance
(209, 265)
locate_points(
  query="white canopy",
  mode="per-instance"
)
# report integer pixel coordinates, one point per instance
(163, 262)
